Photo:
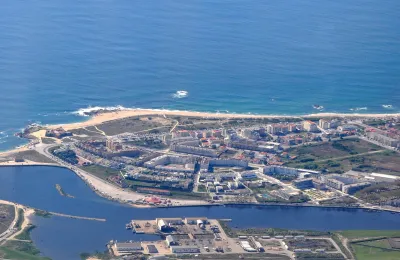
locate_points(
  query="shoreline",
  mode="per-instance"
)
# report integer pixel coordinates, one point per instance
(95, 118)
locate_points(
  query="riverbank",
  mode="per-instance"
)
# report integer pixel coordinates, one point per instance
(123, 196)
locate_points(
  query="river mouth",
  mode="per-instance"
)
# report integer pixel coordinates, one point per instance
(65, 238)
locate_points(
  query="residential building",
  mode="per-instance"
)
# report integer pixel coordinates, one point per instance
(310, 126)
(386, 140)
(323, 124)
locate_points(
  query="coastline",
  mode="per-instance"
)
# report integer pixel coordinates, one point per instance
(104, 116)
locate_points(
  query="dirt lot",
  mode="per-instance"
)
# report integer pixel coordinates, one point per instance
(329, 157)
(30, 155)
(7, 214)
(310, 243)
(309, 153)
(133, 124)
(255, 256)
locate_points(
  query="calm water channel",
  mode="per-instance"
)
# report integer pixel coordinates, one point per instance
(63, 238)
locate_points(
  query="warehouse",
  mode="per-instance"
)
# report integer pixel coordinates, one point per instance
(184, 249)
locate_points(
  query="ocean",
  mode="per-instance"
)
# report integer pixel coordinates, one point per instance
(259, 57)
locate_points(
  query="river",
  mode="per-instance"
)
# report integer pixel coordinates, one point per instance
(64, 238)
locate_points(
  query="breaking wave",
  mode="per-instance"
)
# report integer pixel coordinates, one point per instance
(180, 94)
(387, 106)
(93, 110)
(359, 108)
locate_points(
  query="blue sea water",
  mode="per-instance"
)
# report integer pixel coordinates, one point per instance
(265, 57)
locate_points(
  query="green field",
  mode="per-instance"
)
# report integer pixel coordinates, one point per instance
(373, 250)
(351, 234)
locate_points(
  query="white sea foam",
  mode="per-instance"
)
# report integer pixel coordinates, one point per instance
(359, 108)
(91, 110)
(180, 94)
(387, 106)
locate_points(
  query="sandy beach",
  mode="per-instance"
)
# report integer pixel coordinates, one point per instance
(108, 116)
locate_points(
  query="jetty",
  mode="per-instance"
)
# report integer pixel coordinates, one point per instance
(77, 217)
(62, 192)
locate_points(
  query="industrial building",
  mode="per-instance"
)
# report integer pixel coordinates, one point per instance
(127, 248)
(196, 220)
(164, 224)
(184, 249)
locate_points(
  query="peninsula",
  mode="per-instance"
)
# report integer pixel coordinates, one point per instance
(167, 158)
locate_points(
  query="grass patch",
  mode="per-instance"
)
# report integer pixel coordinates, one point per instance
(100, 171)
(351, 234)
(189, 195)
(20, 219)
(7, 215)
(21, 250)
(25, 234)
(330, 150)
(201, 188)
(378, 249)
(235, 232)
(31, 155)
(47, 140)
(8, 253)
